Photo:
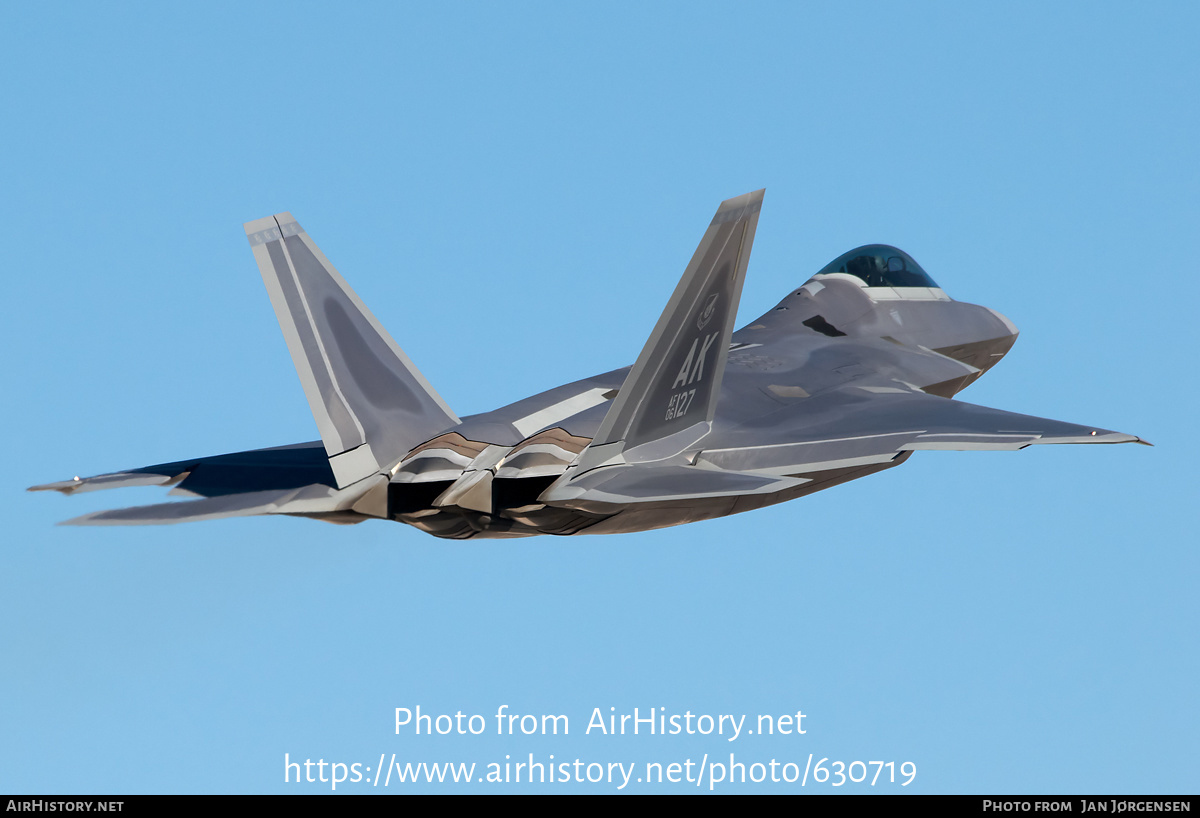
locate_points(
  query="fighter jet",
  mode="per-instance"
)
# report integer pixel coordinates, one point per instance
(849, 375)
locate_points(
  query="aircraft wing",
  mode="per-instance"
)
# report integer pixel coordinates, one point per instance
(294, 479)
(848, 429)
(321, 501)
(859, 425)
(276, 468)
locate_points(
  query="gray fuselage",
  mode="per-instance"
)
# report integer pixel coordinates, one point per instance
(832, 338)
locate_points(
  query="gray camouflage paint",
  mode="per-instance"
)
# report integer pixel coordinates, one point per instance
(838, 381)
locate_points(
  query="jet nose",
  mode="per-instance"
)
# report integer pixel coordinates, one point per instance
(1009, 327)
(1003, 335)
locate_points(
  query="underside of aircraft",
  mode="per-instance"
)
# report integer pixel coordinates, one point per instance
(847, 376)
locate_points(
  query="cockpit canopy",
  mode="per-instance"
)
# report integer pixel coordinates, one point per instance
(880, 265)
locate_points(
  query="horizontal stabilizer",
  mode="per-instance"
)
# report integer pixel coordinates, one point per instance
(364, 500)
(370, 402)
(212, 508)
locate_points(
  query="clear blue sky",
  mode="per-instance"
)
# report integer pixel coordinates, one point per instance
(514, 189)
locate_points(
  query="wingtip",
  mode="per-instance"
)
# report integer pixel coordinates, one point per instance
(64, 486)
(1104, 436)
(94, 519)
(83, 519)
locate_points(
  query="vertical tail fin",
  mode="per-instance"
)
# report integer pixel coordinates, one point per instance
(669, 397)
(370, 402)
(676, 379)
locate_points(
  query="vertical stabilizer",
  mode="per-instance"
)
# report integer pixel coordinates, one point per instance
(370, 402)
(676, 380)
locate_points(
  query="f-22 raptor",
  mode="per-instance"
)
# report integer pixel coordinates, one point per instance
(849, 375)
